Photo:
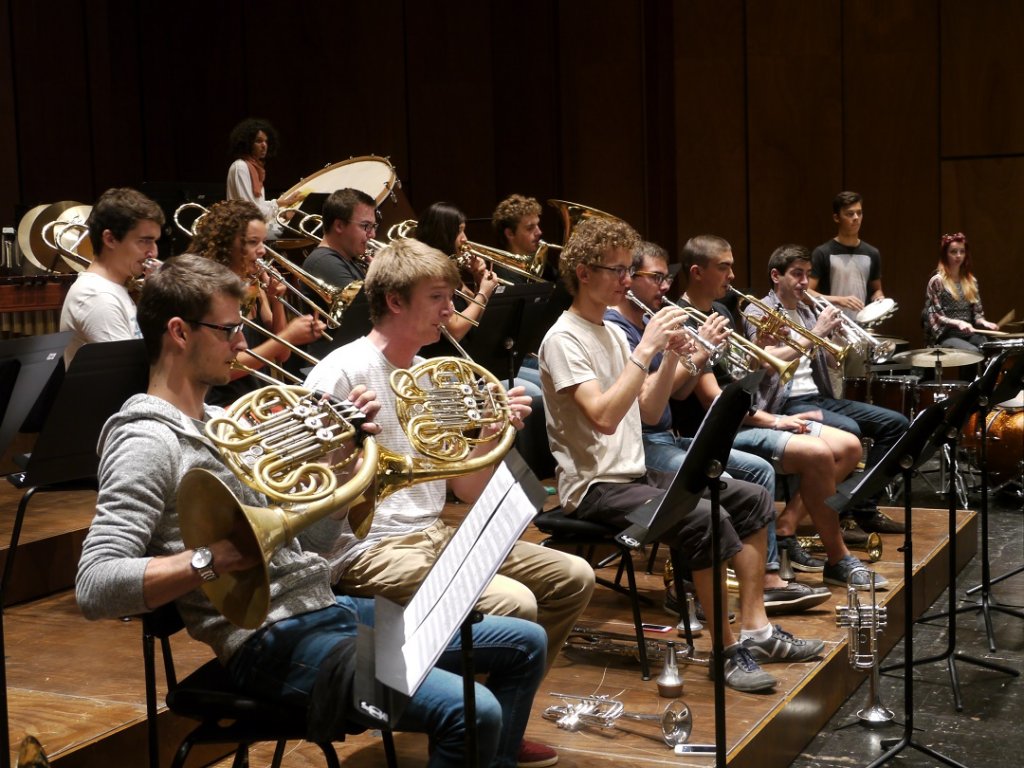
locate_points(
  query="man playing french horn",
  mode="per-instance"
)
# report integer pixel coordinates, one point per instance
(409, 286)
(810, 393)
(134, 558)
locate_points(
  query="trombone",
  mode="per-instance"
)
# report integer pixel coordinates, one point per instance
(778, 325)
(741, 355)
(853, 334)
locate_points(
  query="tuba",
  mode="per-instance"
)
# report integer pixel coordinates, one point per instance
(573, 213)
(289, 444)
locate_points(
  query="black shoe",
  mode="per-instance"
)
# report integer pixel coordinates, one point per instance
(794, 597)
(799, 558)
(853, 535)
(876, 522)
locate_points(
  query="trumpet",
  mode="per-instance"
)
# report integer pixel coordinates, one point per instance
(852, 334)
(741, 355)
(603, 712)
(872, 547)
(778, 325)
(864, 623)
(714, 352)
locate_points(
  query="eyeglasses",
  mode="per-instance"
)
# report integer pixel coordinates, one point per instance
(619, 270)
(366, 226)
(659, 278)
(230, 330)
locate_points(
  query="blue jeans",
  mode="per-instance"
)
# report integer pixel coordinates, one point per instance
(882, 425)
(665, 452)
(281, 662)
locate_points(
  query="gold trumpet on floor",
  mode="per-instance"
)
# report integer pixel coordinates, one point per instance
(872, 546)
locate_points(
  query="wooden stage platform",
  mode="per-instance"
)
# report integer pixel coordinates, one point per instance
(78, 685)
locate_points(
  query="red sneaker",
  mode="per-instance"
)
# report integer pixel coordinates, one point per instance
(534, 755)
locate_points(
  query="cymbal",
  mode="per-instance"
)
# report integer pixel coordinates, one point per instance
(893, 339)
(946, 356)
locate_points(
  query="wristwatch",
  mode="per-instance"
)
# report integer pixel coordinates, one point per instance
(202, 563)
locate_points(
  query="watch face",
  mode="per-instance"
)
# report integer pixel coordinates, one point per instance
(202, 557)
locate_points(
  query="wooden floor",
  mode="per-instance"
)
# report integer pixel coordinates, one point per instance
(79, 686)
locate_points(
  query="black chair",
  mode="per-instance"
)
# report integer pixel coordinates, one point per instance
(225, 716)
(580, 535)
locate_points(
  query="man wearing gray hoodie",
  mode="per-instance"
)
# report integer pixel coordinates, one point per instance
(134, 559)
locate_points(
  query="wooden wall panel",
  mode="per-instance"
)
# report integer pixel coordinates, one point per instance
(794, 97)
(982, 73)
(602, 107)
(981, 198)
(891, 113)
(53, 102)
(451, 107)
(10, 176)
(710, 84)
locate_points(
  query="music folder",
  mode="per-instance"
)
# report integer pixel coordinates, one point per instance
(394, 657)
(711, 444)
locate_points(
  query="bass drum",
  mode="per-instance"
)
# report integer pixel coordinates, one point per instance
(1004, 448)
(373, 175)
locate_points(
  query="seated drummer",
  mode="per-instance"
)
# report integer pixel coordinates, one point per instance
(124, 227)
(595, 390)
(810, 392)
(821, 456)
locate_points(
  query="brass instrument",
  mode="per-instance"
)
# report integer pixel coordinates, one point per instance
(863, 624)
(573, 213)
(281, 441)
(850, 331)
(779, 325)
(589, 640)
(272, 439)
(675, 723)
(743, 356)
(714, 353)
(337, 299)
(872, 546)
(76, 252)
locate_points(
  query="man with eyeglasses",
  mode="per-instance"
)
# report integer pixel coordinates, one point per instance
(663, 449)
(124, 227)
(134, 559)
(598, 392)
(349, 221)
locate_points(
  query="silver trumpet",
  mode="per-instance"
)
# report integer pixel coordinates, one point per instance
(864, 623)
(850, 333)
(604, 712)
(714, 352)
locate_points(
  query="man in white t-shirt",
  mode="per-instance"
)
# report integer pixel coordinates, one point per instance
(124, 227)
(596, 392)
(409, 286)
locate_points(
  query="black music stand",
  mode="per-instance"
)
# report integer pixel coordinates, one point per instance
(956, 413)
(31, 369)
(903, 457)
(101, 377)
(700, 471)
(374, 699)
(988, 391)
(1007, 387)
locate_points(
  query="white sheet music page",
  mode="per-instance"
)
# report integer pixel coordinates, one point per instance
(408, 643)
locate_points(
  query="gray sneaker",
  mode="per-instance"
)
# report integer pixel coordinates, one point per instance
(846, 573)
(799, 558)
(742, 673)
(782, 647)
(794, 597)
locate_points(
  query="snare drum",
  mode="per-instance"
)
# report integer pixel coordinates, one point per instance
(931, 392)
(370, 174)
(893, 392)
(1004, 449)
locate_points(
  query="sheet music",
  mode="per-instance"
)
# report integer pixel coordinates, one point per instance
(409, 642)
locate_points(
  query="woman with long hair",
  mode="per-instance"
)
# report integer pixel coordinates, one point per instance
(252, 142)
(952, 299)
(233, 233)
